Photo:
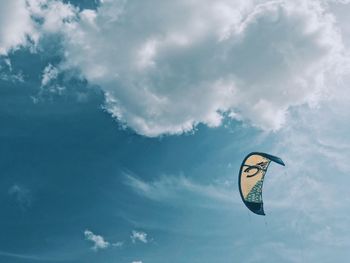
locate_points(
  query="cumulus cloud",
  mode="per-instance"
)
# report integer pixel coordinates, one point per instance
(167, 69)
(51, 15)
(138, 236)
(16, 25)
(98, 241)
(24, 22)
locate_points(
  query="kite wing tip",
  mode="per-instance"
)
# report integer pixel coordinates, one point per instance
(274, 159)
(281, 162)
(256, 208)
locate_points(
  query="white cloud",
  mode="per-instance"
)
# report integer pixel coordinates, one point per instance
(118, 244)
(49, 73)
(16, 26)
(49, 85)
(7, 72)
(138, 236)
(24, 22)
(53, 14)
(99, 242)
(138, 261)
(312, 188)
(187, 62)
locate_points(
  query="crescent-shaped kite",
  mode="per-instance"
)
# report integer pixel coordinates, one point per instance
(251, 178)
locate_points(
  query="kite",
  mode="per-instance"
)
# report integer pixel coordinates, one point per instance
(251, 178)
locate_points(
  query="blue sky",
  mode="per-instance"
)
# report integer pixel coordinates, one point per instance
(124, 124)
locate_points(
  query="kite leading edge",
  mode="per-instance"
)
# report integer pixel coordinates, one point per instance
(251, 178)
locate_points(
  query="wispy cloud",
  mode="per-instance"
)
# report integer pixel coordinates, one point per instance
(316, 149)
(330, 237)
(118, 244)
(7, 73)
(28, 257)
(50, 86)
(172, 188)
(22, 195)
(98, 241)
(50, 73)
(138, 236)
(275, 252)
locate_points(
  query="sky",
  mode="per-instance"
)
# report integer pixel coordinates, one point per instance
(124, 124)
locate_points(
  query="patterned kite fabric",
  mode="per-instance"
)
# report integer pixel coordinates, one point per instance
(255, 195)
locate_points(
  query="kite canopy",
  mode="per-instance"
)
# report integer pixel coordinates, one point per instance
(251, 178)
